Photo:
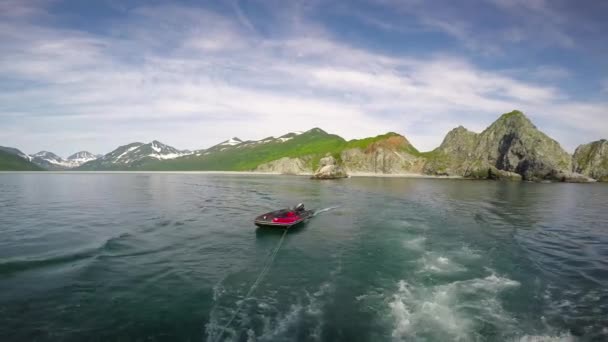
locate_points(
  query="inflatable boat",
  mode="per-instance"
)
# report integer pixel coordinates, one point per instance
(284, 218)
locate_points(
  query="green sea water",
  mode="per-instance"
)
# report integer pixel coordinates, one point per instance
(170, 257)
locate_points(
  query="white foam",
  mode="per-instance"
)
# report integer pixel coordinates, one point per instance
(320, 211)
(565, 337)
(439, 264)
(282, 326)
(400, 311)
(467, 254)
(416, 244)
(450, 311)
(420, 313)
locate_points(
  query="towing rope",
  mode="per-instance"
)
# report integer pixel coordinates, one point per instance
(258, 280)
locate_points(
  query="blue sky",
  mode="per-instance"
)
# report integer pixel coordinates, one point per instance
(92, 75)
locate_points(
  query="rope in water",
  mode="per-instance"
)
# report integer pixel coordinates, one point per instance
(255, 284)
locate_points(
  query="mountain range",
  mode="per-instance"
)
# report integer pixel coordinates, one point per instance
(51, 161)
(510, 148)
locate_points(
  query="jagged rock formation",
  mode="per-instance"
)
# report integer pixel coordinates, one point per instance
(449, 159)
(512, 144)
(287, 166)
(592, 160)
(391, 155)
(329, 169)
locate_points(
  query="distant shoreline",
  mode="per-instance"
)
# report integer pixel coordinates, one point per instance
(401, 175)
(354, 175)
(258, 173)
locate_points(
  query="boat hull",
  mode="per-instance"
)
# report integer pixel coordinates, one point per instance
(268, 219)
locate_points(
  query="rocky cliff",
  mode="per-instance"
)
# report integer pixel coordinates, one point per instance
(511, 146)
(329, 169)
(592, 160)
(287, 166)
(392, 154)
(453, 156)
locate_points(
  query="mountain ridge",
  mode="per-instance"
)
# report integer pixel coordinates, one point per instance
(52, 162)
(12, 159)
(512, 147)
(133, 156)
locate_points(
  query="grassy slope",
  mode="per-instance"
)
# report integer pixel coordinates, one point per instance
(11, 162)
(315, 143)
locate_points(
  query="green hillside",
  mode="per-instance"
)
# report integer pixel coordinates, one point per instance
(248, 156)
(12, 162)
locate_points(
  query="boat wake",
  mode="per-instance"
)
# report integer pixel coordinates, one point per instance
(324, 210)
(263, 318)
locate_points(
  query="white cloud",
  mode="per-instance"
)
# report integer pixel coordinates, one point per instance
(215, 78)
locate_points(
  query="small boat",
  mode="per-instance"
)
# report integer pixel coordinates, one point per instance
(284, 218)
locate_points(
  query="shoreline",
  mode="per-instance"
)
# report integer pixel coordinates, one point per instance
(259, 173)
(401, 175)
(143, 171)
(255, 173)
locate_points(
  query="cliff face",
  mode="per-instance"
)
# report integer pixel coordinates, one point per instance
(511, 145)
(287, 166)
(510, 148)
(592, 160)
(392, 155)
(453, 155)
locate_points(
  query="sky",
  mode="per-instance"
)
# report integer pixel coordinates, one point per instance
(93, 75)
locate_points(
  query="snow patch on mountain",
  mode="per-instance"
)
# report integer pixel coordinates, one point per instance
(232, 141)
(51, 161)
(81, 157)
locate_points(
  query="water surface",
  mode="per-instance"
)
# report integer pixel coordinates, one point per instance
(154, 256)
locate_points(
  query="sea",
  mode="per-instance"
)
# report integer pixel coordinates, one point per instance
(176, 257)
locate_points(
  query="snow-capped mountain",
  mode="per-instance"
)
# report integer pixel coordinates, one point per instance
(224, 145)
(51, 161)
(231, 142)
(134, 154)
(81, 157)
(234, 143)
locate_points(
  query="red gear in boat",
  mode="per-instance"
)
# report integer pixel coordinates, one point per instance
(289, 217)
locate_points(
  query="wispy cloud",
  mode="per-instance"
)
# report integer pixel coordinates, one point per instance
(192, 77)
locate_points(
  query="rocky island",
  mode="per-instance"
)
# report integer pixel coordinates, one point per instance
(329, 169)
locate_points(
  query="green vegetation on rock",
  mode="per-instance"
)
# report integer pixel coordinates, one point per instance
(511, 148)
(511, 144)
(592, 160)
(249, 155)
